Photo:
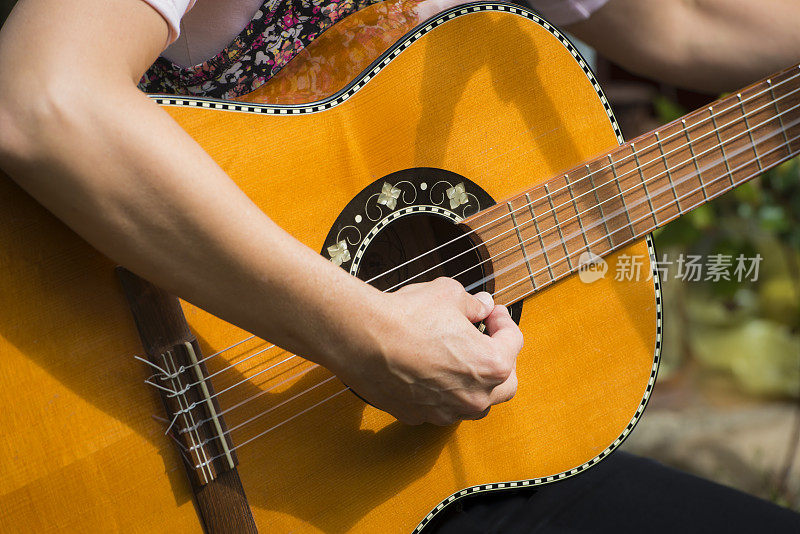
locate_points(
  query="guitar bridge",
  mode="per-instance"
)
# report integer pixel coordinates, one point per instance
(181, 379)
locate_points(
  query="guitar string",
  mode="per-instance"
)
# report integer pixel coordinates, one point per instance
(656, 160)
(711, 117)
(272, 387)
(621, 211)
(294, 416)
(191, 406)
(752, 146)
(553, 210)
(703, 121)
(558, 224)
(662, 190)
(694, 191)
(603, 220)
(226, 349)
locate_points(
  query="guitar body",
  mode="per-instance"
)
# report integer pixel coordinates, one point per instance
(489, 94)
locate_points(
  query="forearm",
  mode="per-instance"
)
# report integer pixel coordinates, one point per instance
(130, 181)
(120, 172)
(710, 45)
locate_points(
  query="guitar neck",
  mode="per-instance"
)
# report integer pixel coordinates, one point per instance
(551, 230)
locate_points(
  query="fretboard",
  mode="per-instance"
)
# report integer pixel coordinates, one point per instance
(594, 209)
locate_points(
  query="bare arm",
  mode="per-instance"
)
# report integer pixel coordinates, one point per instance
(708, 45)
(88, 145)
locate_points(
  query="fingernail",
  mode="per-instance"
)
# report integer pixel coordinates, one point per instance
(486, 299)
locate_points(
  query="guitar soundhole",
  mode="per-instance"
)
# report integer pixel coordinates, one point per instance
(420, 248)
(404, 228)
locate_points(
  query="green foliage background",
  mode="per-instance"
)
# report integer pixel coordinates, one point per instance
(749, 329)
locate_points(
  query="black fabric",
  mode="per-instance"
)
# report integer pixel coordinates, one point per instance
(622, 494)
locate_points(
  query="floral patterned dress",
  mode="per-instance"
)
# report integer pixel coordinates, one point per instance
(276, 34)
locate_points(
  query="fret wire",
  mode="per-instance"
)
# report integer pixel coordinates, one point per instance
(644, 182)
(599, 205)
(691, 192)
(575, 207)
(778, 113)
(669, 174)
(694, 159)
(631, 239)
(721, 146)
(541, 240)
(749, 132)
(621, 196)
(663, 190)
(558, 225)
(790, 154)
(771, 87)
(521, 207)
(782, 131)
(669, 219)
(521, 245)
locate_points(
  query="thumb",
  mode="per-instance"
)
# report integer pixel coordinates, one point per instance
(478, 307)
(503, 330)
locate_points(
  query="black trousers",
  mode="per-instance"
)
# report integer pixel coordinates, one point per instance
(623, 493)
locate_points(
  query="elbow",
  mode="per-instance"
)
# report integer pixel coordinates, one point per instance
(12, 133)
(29, 123)
(21, 117)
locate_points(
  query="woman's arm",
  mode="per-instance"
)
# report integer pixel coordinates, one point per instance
(86, 143)
(708, 45)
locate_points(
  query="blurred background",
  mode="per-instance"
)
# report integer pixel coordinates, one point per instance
(727, 403)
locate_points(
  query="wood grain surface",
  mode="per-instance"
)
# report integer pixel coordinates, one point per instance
(492, 96)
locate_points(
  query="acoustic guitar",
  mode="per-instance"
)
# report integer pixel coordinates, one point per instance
(473, 143)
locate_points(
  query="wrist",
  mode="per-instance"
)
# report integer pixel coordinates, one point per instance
(359, 335)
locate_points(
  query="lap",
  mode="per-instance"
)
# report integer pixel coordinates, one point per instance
(623, 493)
